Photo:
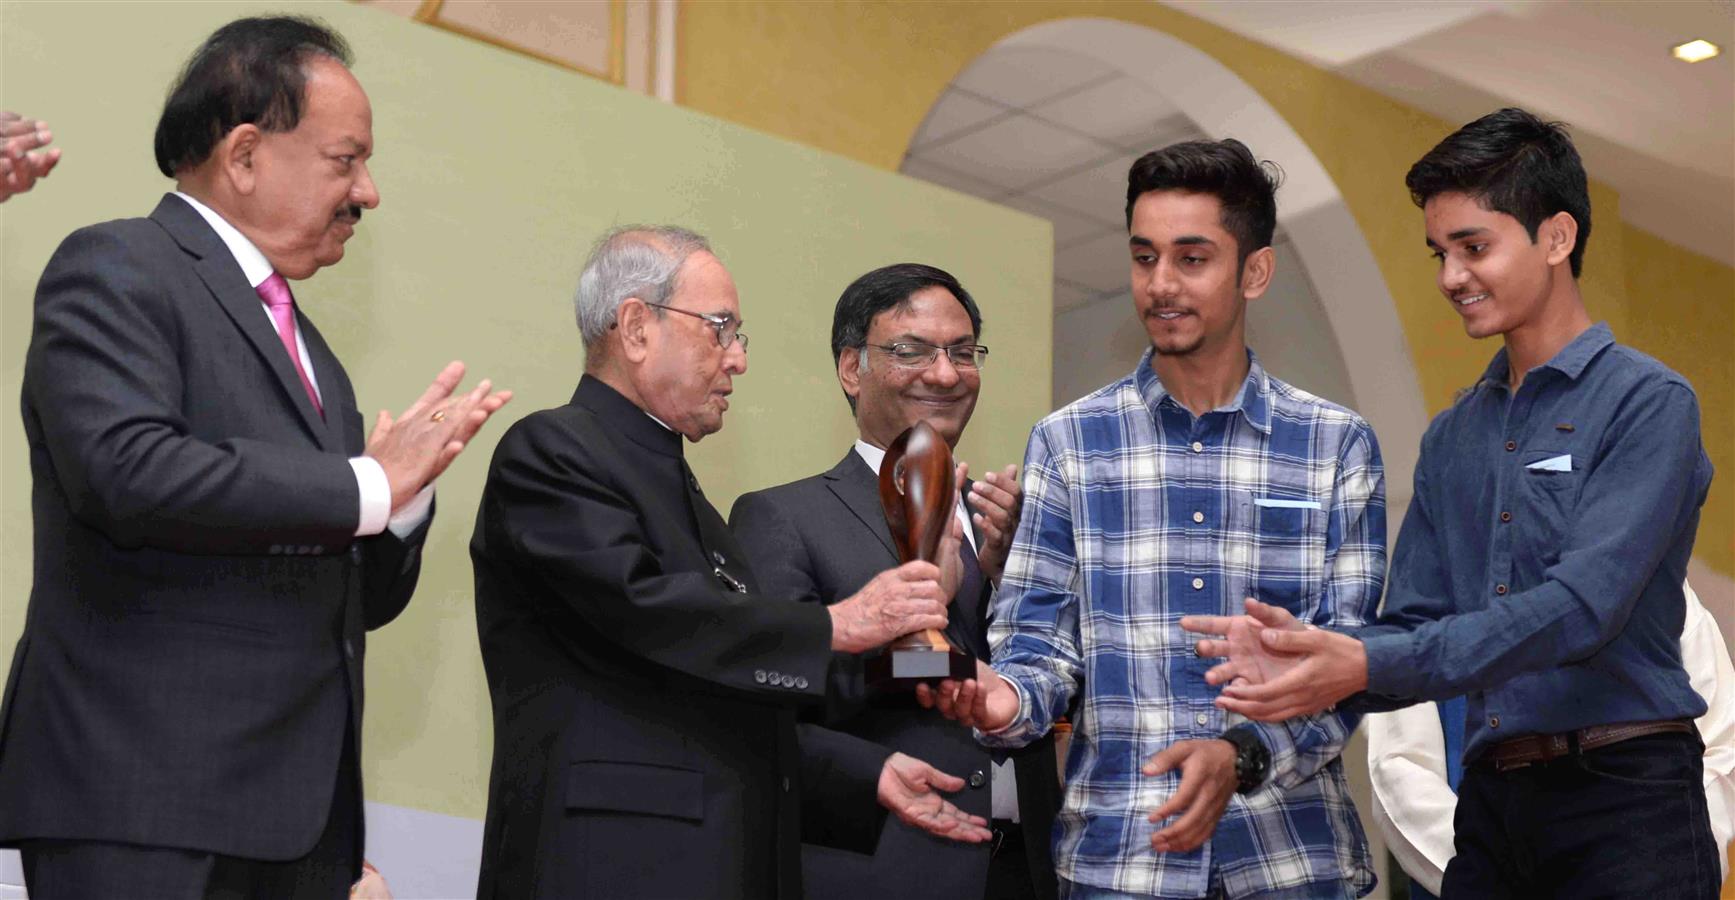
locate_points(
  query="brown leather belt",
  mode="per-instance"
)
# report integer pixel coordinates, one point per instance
(1539, 748)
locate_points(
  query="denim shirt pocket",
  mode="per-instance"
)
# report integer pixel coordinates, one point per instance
(1544, 501)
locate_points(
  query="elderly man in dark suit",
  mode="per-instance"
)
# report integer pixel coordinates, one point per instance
(644, 680)
(905, 341)
(213, 536)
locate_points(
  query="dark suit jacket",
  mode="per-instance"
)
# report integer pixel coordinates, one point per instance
(820, 539)
(192, 651)
(644, 730)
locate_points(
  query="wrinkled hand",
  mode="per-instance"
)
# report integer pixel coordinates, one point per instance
(997, 500)
(987, 701)
(907, 788)
(1280, 669)
(419, 444)
(1207, 782)
(895, 603)
(19, 167)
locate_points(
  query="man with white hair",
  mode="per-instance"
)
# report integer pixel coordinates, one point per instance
(644, 739)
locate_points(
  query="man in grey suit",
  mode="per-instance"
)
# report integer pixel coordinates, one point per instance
(213, 536)
(904, 339)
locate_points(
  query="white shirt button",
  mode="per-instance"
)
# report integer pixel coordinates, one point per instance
(1198, 517)
(1202, 719)
(1198, 447)
(1198, 584)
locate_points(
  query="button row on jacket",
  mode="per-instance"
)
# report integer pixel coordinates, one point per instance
(777, 680)
(292, 550)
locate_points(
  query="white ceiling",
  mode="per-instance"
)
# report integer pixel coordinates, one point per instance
(1053, 134)
(1662, 132)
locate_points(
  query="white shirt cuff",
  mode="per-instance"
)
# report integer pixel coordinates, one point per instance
(376, 495)
(407, 520)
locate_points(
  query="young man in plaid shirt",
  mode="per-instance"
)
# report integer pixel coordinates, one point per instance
(1192, 483)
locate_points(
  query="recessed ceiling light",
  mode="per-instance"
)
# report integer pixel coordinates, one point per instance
(1696, 51)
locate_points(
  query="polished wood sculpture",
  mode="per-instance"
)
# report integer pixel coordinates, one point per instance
(918, 486)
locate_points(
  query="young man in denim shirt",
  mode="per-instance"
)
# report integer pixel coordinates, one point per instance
(1540, 564)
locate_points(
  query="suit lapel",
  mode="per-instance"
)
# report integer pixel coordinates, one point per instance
(217, 268)
(858, 487)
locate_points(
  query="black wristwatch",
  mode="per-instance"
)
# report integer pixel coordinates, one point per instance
(1252, 759)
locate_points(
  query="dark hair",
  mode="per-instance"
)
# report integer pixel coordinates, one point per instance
(883, 289)
(1511, 162)
(1225, 169)
(247, 72)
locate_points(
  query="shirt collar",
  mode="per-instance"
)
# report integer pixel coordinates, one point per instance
(1253, 401)
(873, 456)
(1570, 360)
(253, 264)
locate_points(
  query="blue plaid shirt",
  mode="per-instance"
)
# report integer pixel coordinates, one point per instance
(1136, 513)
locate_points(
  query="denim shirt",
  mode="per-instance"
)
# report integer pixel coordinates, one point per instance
(1539, 567)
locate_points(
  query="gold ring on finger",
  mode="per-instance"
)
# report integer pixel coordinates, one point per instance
(438, 416)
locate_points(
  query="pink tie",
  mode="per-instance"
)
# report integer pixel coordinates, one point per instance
(275, 292)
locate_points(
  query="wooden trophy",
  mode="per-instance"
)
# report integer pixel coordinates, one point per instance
(918, 486)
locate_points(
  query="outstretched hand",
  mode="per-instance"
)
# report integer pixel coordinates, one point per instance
(420, 443)
(1276, 667)
(908, 787)
(987, 701)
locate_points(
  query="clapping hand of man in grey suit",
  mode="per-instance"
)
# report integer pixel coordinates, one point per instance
(419, 444)
(996, 501)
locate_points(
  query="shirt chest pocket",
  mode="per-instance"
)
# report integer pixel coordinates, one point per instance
(1543, 500)
(1284, 539)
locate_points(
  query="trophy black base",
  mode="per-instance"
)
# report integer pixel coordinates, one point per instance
(910, 666)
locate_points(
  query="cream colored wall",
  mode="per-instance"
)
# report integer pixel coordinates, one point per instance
(496, 172)
(858, 78)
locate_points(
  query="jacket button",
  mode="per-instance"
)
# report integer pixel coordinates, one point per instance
(774, 678)
(1500, 589)
(1511, 446)
(275, 549)
(1493, 721)
(1505, 517)
(978, 778)
(759, 675)
(693, 482)
(788, 681)
(801, 682)
(717, 558)
(349, 648)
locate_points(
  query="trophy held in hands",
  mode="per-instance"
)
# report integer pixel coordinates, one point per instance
(918, 486)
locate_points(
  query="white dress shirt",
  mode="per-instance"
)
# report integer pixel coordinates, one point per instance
(1003, 790)
(1413, 804)
(370, 479)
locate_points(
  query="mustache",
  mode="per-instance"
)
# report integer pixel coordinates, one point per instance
(350, 214)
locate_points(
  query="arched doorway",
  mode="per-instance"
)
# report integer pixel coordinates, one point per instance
(1048, 121)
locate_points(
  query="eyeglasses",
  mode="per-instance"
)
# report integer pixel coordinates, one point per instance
(917, 355)
(727, 327)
